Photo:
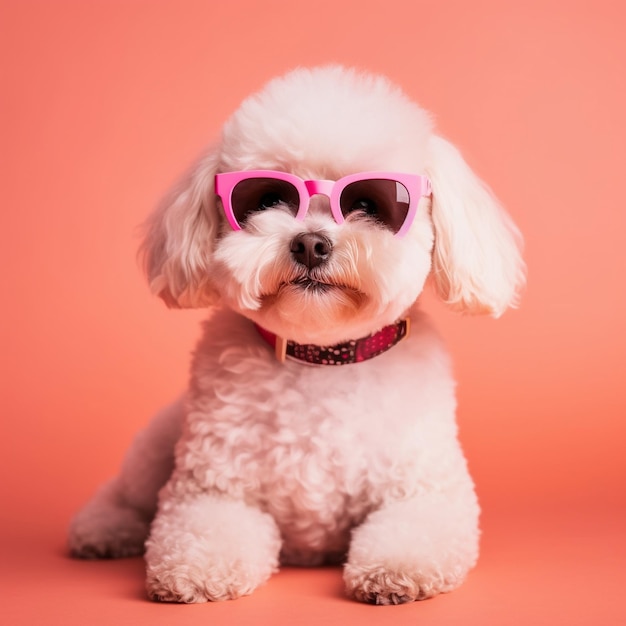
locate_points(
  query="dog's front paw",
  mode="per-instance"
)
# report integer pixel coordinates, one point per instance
(188, 583)
(378, 585)
(413, 549)
(210, 549)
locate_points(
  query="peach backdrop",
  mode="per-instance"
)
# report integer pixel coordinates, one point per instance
(104, 103)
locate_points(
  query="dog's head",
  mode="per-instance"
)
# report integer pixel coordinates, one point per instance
(339, 269)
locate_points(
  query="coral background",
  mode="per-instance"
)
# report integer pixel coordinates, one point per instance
(104, 103)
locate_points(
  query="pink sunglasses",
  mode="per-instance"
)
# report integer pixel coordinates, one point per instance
(388, 198)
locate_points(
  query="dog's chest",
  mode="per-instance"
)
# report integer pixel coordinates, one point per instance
(317, 448)
(312, 463)
(266, 444)
(299, 439)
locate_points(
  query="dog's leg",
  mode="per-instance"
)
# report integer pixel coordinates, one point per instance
(116, 521)
(414, 549)
(207, 548)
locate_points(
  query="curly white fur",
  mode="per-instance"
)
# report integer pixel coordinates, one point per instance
(307, 465)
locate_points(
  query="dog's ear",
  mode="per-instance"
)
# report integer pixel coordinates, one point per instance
(477, 263)
(180, 237)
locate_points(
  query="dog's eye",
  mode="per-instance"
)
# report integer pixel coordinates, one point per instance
(383, 201)
(269, 200)
(364, 205)
(256, 195)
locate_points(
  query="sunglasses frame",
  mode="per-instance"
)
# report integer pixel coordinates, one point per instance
(417, 186)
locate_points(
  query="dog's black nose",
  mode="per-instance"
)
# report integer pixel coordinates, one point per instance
(311, 249)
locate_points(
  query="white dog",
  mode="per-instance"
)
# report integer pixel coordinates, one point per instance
(332, 205)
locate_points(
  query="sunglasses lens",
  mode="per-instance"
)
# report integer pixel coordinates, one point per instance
(254, 195)
(385, 201)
